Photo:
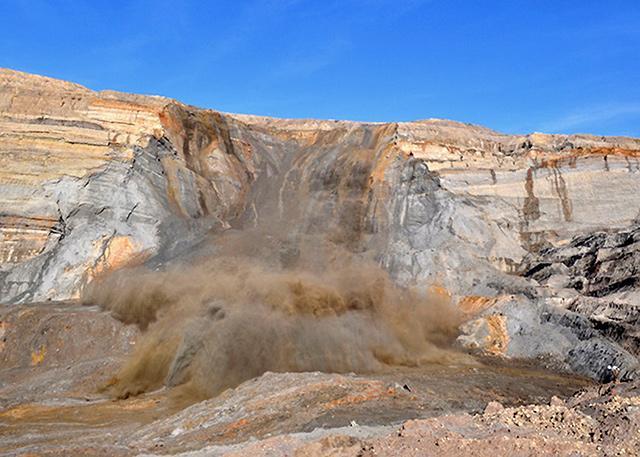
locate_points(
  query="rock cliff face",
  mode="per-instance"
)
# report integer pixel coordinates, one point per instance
(534, 238)
(532, 235)
(92, 182)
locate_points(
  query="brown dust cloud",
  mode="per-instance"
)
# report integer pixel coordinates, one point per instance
(268, 298)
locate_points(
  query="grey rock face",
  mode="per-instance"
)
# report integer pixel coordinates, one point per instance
(522, 328)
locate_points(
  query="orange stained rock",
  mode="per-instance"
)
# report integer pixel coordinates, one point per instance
(24, 410)
(173, 184)
(37, 356)
(439, 291)
(552, 160)
(235, 427)
(497, 341)
(386, 156)
(473, 304)
(120, 251)
(371, 393)
(3, 331)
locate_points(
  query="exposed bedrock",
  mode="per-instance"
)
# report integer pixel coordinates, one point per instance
(594, 279)
(529, 234)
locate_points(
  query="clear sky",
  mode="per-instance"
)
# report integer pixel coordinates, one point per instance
(512, 65)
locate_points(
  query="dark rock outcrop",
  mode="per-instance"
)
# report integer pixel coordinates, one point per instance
(595, 278)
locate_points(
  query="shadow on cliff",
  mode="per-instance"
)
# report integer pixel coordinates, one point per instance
(268, 303)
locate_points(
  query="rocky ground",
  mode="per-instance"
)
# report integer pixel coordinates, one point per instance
(52, 404)
(598, 421)
(470, 409)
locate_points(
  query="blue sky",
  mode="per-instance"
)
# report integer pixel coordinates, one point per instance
(512, 65)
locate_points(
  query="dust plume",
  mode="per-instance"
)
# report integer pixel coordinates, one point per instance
(267, 304)
(294, 286)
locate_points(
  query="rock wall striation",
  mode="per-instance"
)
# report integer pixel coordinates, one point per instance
(532, 235)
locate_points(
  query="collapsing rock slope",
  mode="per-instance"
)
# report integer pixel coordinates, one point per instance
(531, 236)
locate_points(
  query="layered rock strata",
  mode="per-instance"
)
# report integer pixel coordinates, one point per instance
(95, 181)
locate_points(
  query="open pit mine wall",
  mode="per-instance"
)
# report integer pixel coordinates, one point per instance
(95, 181)
(91, 182)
